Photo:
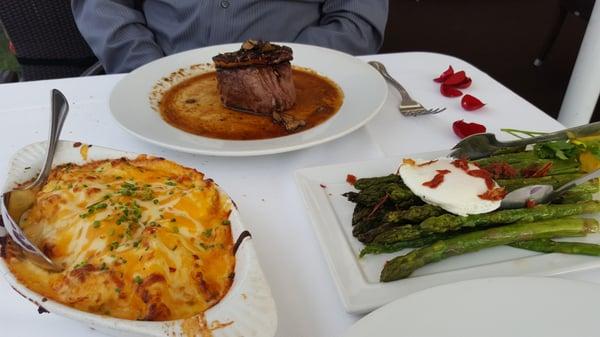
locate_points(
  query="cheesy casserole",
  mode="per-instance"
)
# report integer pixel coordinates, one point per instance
(141, 239)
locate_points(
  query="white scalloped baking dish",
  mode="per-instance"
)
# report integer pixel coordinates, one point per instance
(247, 310)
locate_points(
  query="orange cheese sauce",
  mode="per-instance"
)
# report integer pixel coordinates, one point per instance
(142, 239)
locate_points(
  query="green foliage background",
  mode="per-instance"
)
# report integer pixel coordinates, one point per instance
(7, 60)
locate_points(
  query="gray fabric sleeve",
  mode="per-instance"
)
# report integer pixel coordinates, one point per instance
(116, 32)
(353, 26)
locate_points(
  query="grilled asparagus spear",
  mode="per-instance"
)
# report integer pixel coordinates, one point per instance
(450, 222)
(382, 248)
(400, 233)
(521, 160)
(364, 183)
(509, 158)
(371, 234)
(402, 266)
(414, 214)
(550, 246)
(555, 180)
(373, 194)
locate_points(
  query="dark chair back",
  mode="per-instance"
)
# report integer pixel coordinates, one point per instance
(46, 39)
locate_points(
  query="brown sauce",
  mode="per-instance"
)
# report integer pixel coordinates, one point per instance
(194, 106)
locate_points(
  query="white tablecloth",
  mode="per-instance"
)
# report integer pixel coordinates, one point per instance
(263, 187)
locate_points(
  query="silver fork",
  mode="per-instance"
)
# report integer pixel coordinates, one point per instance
(408, 106)
(485, 144)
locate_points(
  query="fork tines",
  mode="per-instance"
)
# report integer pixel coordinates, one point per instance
(412, 112)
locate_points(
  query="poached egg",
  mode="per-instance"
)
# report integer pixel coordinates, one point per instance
(449, 184)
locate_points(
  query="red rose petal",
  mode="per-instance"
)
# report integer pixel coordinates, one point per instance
(464, 84)
(463, 129)
(471, 103)
(449, 91)
(443, 76)
(456, 78)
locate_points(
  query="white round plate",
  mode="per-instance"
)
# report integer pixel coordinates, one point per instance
(365, 92)
(493, 307)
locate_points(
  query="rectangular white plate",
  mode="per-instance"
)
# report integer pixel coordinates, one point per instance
(357, 280)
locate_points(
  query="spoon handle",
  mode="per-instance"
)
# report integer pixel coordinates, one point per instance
(576, 182)
(60, 108)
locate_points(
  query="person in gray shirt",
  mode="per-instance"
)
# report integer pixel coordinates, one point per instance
(126, 34)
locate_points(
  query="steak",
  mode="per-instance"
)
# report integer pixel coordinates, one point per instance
(258, 79)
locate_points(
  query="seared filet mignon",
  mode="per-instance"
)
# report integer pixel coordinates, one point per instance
(258, 79)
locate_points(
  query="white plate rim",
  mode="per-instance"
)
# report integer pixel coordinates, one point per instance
(375, 76)
(519, 284)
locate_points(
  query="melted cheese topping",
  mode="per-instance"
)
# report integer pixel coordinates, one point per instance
(143, 239)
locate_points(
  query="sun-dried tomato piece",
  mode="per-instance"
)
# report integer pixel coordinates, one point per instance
(543, 171)
(435, 182)
(443, 76)
(462, 164)
(351, 179)
(497, 193)
(480, 173)
(535, 171)
(437, 179)
(485, 175)
(449, 91)
(530, 203)
(471, 103)
(501, 170)
(463, 129)
(529, 171)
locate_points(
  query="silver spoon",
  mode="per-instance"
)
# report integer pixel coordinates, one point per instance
(16, 202)
(542, 194)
